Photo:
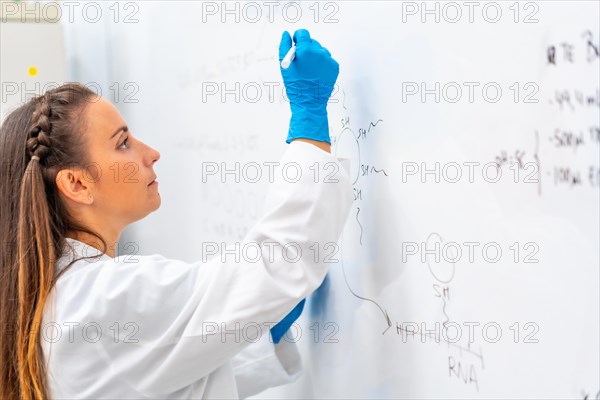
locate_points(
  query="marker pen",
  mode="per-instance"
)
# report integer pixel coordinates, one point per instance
(289, 57)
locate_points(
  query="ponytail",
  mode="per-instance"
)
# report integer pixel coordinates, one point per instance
(35, 248)
(34, 240)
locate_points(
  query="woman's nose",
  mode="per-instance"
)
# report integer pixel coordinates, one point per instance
(153, 156)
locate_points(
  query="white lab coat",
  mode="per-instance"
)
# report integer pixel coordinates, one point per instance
(150, 327)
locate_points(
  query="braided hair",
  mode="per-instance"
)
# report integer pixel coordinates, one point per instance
(37, 141)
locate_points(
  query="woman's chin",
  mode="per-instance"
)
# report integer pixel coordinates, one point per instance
(158, 203)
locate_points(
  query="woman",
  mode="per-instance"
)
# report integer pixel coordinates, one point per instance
(82, 323)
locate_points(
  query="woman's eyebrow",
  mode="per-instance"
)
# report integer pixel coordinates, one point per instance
(124, 128)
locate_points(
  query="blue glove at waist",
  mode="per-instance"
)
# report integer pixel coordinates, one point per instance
(309, 82)
(282, 327)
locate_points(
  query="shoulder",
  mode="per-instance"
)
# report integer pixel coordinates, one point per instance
(94, 275)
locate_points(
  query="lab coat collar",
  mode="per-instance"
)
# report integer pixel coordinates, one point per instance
(74, 249)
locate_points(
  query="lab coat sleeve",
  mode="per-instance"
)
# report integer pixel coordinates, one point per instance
(264, 364)
(180, 321)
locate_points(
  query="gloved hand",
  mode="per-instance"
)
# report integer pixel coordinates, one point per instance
(282, 327)
(309, 82)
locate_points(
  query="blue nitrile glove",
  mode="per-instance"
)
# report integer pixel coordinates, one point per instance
(308, 83)
(282, 327)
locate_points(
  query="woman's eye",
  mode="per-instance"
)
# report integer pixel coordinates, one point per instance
(124, 142)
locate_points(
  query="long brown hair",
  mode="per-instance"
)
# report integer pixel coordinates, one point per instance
(37, 140)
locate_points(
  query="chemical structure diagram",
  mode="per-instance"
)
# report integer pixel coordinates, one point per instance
(351, 142)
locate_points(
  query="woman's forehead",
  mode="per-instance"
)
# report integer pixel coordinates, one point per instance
(103, 119)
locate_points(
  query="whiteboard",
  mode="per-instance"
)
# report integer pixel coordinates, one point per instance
(469, 265)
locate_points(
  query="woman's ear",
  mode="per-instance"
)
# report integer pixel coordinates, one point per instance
(75, 185)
